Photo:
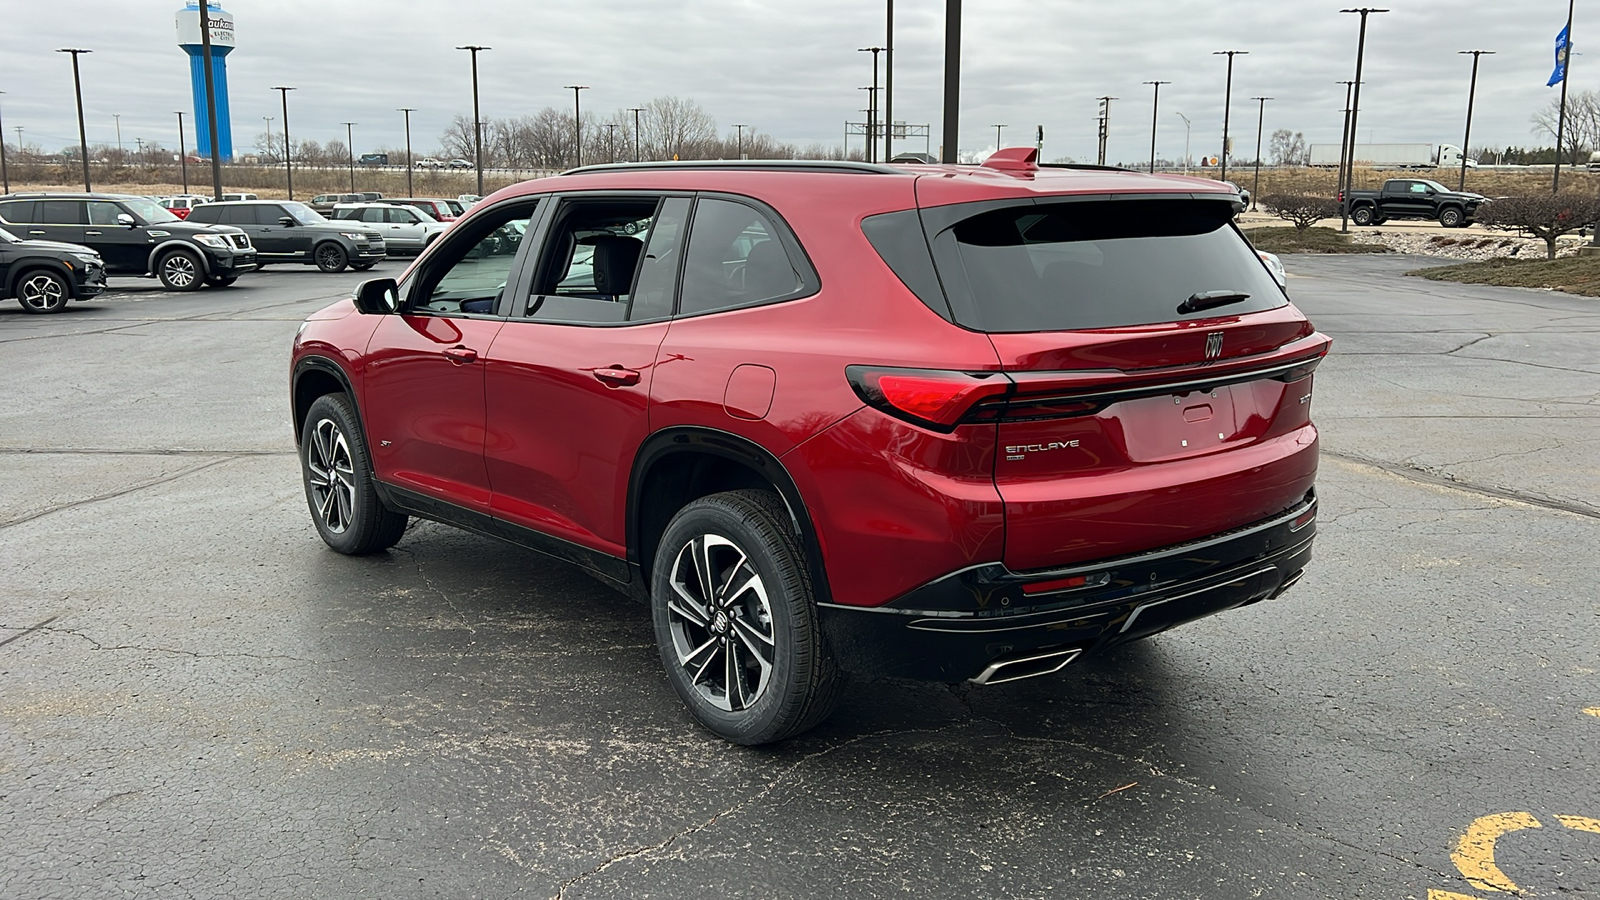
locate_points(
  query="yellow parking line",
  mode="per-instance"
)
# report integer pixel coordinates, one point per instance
(1580, 823)
(1593, 711)
(1474, 854)
(1435, 894)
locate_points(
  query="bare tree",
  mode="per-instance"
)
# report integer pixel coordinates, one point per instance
(1286, 148)
(457, 139)
(676, 128)
(1582, 131)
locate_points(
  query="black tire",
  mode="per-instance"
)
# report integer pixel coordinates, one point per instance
(337, 471)
(222, 281)
(1450, 217)
(791, 688)
(362, 267)
(181, 270)
(43, 291)
(330, 257)
(1363, 216)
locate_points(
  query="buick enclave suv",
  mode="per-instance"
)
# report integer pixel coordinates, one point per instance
(938, 422)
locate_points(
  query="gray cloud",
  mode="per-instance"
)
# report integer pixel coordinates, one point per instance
(791, 70)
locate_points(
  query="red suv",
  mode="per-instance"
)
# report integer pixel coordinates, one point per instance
(938, 422)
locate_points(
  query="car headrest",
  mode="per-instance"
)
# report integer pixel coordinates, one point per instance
(767, 272)
(615, 258)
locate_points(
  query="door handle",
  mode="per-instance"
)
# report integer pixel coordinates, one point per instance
(616, 376)
(37, 231)
(461, 355)
(91, 232)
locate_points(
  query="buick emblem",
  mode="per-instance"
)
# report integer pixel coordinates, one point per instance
(1213, 345)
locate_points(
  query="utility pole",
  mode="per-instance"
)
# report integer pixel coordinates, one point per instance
(118, 118)
(477, 120)
(268, 120)
(1155, 109)
(872, 125)
(952, 81)
(1472, 95)
(611, 142)
(577, 116)
(77, 88)
(1561, 116)
(5, 177)
(740, 154)
(888, 87)
(288, 163)
(1105, 125)
(1355, 112)
(408, 110)
(350, 150)
(1261, 115)
(211, 101)
(1227, 106)
(1346, 148)
(636, 110)
(183, 154)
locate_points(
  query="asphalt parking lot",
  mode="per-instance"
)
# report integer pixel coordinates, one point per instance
(197, 699)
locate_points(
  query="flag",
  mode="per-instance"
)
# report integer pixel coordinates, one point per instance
(1563, 47)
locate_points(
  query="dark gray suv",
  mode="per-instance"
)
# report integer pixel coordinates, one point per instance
(287, 231)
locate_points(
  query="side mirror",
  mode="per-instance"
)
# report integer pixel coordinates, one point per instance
(286, 221)
(378, 297)
(125, 219)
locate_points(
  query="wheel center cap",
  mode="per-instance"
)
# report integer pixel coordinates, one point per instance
(719, 623)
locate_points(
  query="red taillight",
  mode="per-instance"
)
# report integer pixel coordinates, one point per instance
(932, 398)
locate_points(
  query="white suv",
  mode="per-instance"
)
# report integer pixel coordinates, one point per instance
(402, 227)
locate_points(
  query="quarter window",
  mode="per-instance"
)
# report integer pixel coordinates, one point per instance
(734, 259)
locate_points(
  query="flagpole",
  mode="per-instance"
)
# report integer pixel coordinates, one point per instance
(1561, 117)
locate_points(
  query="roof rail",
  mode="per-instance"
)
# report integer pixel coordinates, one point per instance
(1086, 166)
(791, 165)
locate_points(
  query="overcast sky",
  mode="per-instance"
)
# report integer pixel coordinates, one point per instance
(791, 69)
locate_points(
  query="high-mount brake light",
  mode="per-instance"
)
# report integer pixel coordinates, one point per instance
(935, 399)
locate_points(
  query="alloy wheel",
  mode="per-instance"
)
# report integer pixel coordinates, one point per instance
(179, 270)
(721, 622)
(42, 292)
(331, 476)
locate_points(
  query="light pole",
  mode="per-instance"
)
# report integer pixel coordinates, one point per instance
(611, 142)
(1186, 124)
(871, 111)
(1105, 125)
(636, 110)
(211, 100)
(1561, 115)
(118, 118)
(740, 154)
(1345, 150)
(268, 120)
(5, 177)
(952, 81)
(1227, 105)
(1355, 113)
(1472, 94)
(408, 110)
(1155, 109)
(888, 86)
(872, 123)
(83, 140)
(1261, 115)
(288, 164)
(477, 122)
(997, 129)
(183, 154)
(577, 116)
(350, 150)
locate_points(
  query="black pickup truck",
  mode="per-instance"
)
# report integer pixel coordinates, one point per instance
(1413, 198)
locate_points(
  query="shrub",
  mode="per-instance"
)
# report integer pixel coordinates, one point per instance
(1544, 216)
(1304, 210)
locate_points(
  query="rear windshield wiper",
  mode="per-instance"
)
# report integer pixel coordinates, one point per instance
(1209, 299)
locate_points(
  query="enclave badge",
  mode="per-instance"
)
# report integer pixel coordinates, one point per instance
(1213, 345)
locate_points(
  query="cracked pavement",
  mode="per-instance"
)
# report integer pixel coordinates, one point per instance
(197, 699)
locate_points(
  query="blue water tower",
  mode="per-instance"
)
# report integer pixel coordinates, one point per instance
(189, 38)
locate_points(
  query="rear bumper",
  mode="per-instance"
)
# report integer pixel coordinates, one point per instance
(968, 625)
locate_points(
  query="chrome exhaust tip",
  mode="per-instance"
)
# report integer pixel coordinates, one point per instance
(1026, 666)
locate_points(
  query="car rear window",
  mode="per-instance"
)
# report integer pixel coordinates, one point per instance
(1042, 266)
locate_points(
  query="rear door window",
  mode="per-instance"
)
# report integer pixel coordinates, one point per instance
(1097, 264)
(60, 212)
